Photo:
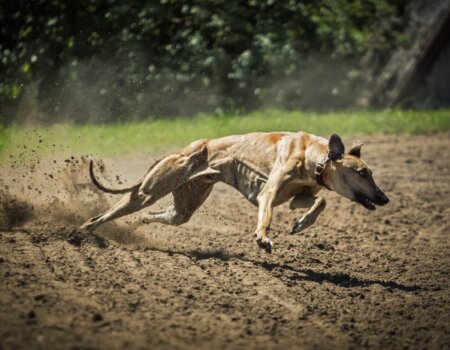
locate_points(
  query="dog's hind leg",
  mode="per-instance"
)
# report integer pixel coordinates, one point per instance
(129, 203)
(165, 177)
(152, 189)
(302, 201)
(187, 199)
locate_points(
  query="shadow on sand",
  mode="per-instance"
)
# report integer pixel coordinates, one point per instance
(340, 278)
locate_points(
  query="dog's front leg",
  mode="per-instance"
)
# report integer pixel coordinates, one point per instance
(311, 215)
(265, 204)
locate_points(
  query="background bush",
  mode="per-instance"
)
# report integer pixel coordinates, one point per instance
(109, 60)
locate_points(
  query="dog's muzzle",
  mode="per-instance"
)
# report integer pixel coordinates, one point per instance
(379, 199)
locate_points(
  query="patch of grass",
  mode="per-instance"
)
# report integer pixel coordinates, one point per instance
(154, 136)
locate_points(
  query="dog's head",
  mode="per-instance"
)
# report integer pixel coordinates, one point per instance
(348, 175)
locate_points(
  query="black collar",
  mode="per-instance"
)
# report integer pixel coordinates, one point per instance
(319, 170)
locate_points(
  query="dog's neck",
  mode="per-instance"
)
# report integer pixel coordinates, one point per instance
(315, 156)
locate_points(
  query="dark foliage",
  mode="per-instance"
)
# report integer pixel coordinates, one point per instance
(103, 60)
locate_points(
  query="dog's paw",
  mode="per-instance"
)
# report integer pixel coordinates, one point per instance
(300, 225)
(265, 243)
(87, 226)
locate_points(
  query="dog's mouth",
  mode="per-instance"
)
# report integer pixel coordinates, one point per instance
(364, 201)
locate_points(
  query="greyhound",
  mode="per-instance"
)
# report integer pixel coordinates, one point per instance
(267, 168)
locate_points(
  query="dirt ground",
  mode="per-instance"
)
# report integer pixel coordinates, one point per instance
(356, 279)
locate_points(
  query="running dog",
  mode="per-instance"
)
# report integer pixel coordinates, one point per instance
(267, 168)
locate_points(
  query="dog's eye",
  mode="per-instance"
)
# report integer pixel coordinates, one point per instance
(363, 172)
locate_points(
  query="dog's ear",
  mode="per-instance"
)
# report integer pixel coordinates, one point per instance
(356, 149)
(336, 147)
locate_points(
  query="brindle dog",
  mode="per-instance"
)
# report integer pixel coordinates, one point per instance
(267, 168)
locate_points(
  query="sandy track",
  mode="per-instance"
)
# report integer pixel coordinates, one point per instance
(354, 280)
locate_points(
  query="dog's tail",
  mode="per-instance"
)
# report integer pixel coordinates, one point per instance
(109, 190)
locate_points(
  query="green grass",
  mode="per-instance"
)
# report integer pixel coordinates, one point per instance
(158, 135)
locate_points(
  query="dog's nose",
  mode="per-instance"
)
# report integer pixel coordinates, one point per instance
(382, 199)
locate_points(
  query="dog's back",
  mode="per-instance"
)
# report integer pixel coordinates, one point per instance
(254, 148)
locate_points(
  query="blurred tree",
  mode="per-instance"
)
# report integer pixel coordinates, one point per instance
(105, 60)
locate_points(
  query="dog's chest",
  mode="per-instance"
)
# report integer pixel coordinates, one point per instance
(293, 185)
(249, 180)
